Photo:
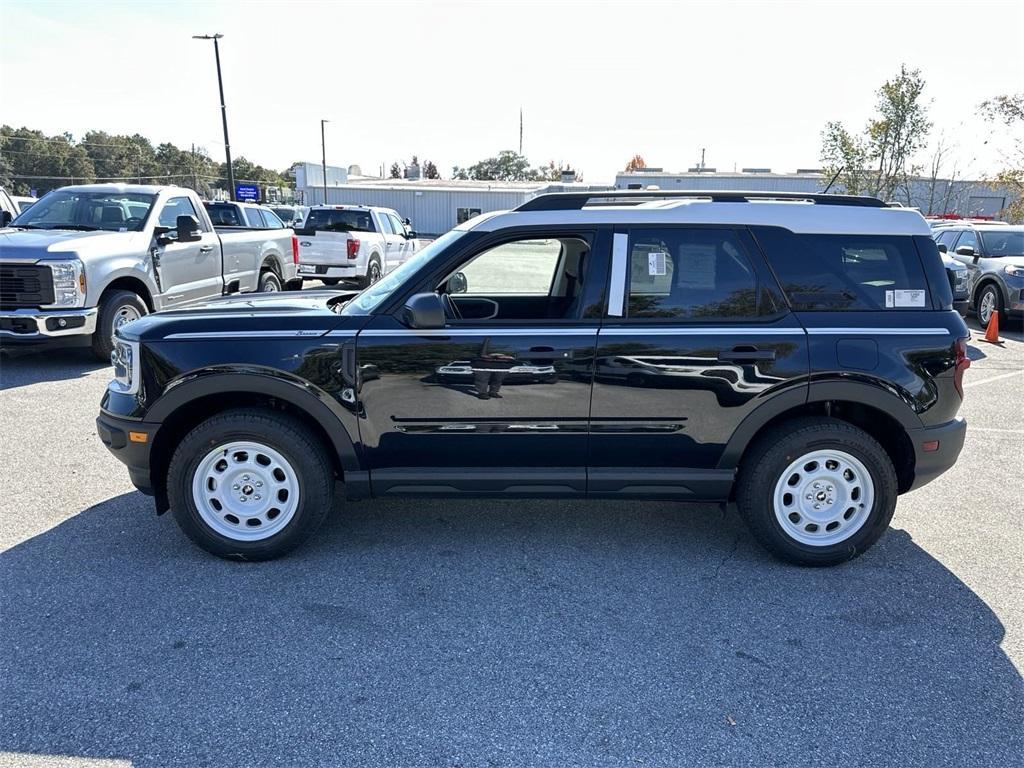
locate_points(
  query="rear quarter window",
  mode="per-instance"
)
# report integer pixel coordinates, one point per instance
(829, 273)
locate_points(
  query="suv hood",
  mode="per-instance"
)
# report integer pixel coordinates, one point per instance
(64, 244)
(248, 316)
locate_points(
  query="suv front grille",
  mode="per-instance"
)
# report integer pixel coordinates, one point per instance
(25, 286)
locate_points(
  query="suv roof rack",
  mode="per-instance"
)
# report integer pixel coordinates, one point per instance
(572, 201)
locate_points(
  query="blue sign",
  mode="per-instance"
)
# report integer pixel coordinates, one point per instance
(247, 193)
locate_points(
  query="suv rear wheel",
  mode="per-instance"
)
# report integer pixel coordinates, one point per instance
(250, 484)
(817, 491)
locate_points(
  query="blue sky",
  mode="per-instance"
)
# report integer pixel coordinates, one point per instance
(753, 83)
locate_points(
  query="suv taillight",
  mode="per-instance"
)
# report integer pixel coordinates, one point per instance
(295, 249)
(353, 248)
(963, 362)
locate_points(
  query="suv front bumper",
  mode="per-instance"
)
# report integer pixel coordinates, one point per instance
(131, 442)
(40, 325)
(936, 449)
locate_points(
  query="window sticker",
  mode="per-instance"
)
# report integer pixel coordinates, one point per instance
(696, 266)
(904, 298)
(656, 263)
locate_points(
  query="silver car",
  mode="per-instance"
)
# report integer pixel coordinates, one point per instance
(993, 254)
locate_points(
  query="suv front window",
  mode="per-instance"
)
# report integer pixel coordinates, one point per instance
(371, 298)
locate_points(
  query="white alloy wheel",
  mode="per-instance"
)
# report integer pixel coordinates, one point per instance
(245, 491)
(823, 498)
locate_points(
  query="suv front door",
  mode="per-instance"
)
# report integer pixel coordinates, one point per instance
(498, 401)
(695, 335)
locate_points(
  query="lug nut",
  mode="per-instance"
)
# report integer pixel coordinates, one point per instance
(244, 498)
(257, 497)
(235, 487)
(259, 483)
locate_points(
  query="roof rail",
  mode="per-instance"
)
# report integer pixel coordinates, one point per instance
(572, 201)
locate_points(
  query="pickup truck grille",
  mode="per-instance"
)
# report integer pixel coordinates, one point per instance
(25, 286)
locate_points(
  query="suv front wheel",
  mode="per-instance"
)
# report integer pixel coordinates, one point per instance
(817, 491)
(250, 484)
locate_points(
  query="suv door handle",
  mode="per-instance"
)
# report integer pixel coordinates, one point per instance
(549, 353)
(205, 248)
(743, 353)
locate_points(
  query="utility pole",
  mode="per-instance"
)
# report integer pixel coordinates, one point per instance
(223, 110)
(520, 131)
(323, 156)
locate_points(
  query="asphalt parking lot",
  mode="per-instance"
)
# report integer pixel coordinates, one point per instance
(440, 633)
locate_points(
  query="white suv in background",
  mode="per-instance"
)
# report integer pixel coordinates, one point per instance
(352, 242)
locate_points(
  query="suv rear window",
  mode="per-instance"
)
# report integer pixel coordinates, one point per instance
(329, 220)
(846, 272)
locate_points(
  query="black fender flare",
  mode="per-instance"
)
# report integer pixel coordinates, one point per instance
(872, 393)
(317, 404)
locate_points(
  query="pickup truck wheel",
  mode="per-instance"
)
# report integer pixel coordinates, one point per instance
(817, 491)
(330, 280)
(269, 282)
(373, 272)
(250, 484)
(117, 308)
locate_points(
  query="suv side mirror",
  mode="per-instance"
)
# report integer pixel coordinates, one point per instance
(410, 234)
(188, 228)
(423, 311)
(943, 248)
(5, 218)
(966, 250)
(458, 283)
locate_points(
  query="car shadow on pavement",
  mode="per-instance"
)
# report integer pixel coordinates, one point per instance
(477, 633)
(19, 368)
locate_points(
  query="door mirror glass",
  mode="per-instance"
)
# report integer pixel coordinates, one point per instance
(458, 283)
(188, 228)
(423, 311)
(5, 218)
(411, 234)
(965, 250)
(943, 248)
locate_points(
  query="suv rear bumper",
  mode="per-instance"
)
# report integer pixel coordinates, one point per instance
(34, 325)
(928, 463)
(131, 442)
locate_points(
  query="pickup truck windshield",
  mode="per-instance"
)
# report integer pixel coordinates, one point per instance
(333, 220)
(372, 297)
(1004, 243)
(87, 211)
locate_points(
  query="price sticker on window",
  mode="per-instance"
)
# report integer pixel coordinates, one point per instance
(656, 264)
(904, 298)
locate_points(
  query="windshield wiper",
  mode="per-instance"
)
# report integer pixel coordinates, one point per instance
(74, 227)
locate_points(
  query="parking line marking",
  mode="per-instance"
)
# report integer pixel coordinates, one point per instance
(992, 378)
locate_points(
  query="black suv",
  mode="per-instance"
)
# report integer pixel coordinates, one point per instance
(798, 354)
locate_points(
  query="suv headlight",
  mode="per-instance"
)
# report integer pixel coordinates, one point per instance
(68, 283)
(125, 359)
(1013, 271)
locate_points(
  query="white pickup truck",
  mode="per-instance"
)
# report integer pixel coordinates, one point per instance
(353, 242)
(85, 260)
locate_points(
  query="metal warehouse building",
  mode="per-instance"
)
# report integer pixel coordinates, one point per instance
(955, 197)
(433, 206)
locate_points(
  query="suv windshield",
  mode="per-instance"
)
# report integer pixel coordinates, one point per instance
(66, 209)
(334, 220)
(376, 294)
(1003, 242)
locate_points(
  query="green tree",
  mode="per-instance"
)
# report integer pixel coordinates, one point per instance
(396, 171)
(878, 161)
(430, 170)
(32, 160)
(1009, 110)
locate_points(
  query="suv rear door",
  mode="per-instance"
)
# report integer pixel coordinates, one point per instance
(696, 336)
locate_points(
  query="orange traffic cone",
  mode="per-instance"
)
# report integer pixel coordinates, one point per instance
(992, 331)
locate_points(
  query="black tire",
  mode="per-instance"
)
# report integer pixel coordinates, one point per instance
(287, 436)
(774, 451)
(330, 280)
(373, 272)
(269, 281)
(113, 306)
(997, 303)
